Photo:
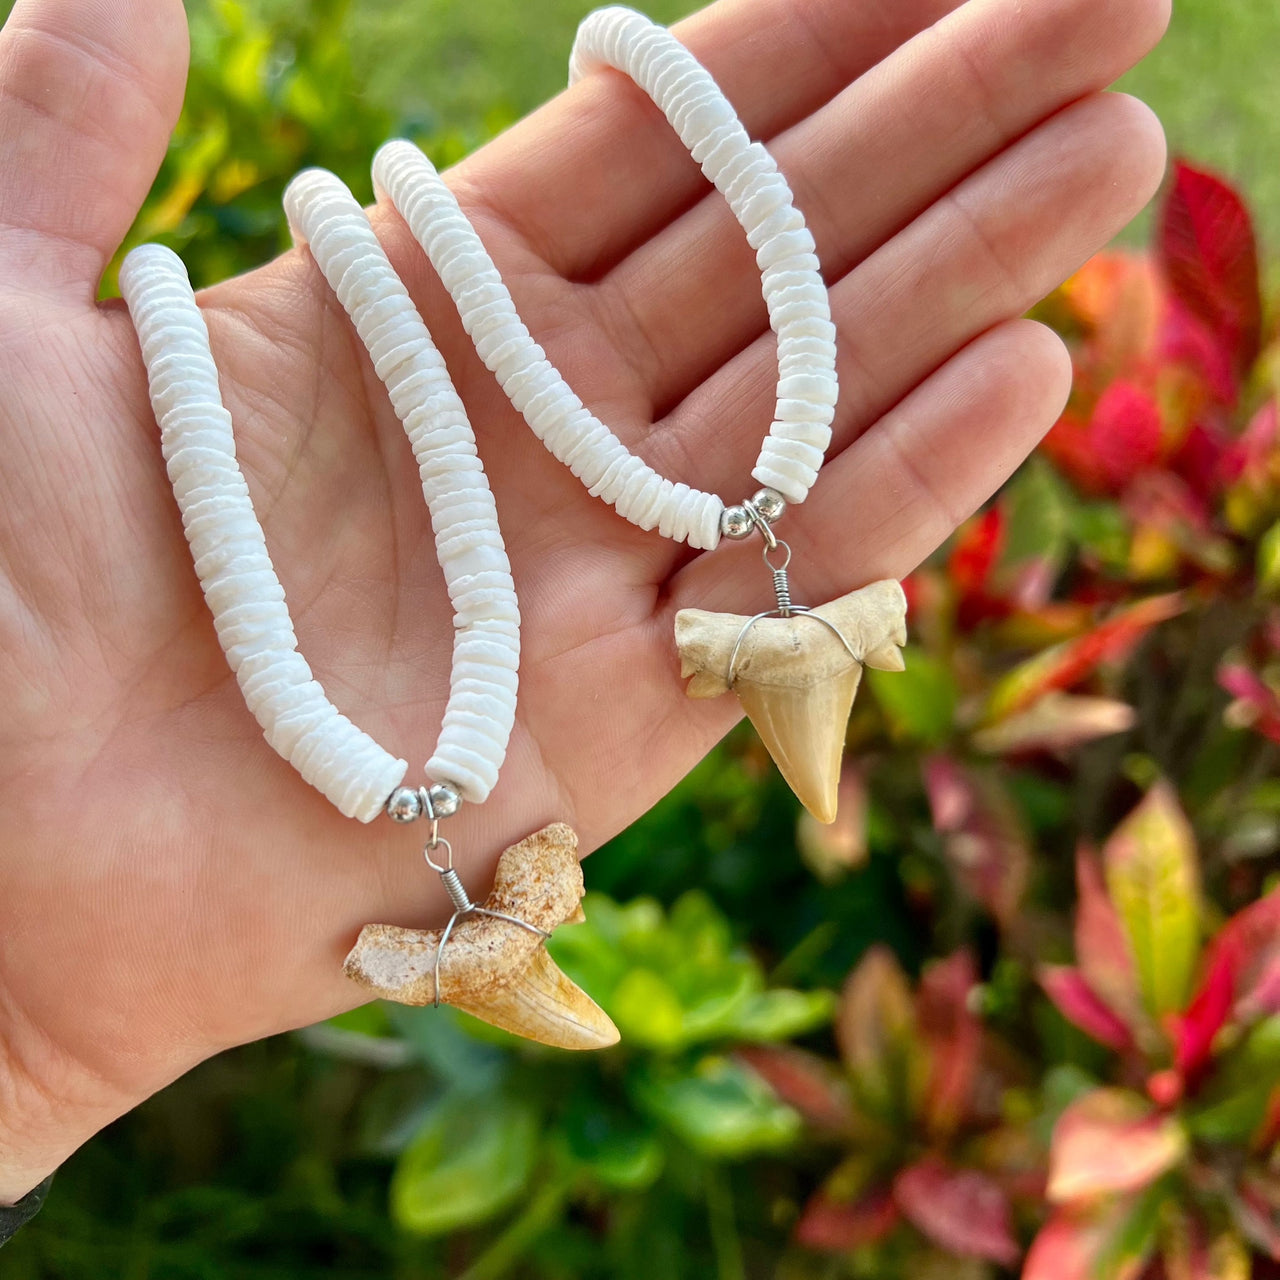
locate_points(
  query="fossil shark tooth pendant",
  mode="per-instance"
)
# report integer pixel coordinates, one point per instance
(796, 675)
(492, 961)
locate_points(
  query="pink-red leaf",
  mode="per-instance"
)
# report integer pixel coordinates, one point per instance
(1078, 1246)
(879, 1038)
(954, 1038)
(1080, 1004)
(1210, 258)
(804, 1081)
(1257, 1216)
(982, 833)
(1256, 705)
(1111, 1141)
(836, 1226)
(1206, 1015)
(961, 1210)
(1246, 955)
(1102, 949)
(1125, 433)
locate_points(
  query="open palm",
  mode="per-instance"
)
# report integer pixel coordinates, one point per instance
(168, 886)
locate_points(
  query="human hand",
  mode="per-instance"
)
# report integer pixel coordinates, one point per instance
(168, 886)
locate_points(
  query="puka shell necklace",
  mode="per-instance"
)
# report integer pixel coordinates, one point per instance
(799, 699)
(499, 969)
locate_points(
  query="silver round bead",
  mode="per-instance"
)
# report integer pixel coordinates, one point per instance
(770, 504)
(445, 801)
(736, 523)
(404, 805)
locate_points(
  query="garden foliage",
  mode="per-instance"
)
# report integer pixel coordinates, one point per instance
(1016, 1012)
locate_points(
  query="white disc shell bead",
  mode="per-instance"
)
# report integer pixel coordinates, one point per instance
(486, 654)
(745, 173)
(794, 291)
(230, 553)
(532, 383)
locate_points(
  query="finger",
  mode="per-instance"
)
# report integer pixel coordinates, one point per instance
(598, 170)
(865, 165)
(898, 492)
(982, 255)
(89, 93)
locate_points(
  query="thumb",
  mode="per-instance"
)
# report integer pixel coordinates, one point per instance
(89, 94)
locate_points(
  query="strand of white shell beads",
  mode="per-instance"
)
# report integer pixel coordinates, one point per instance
(795, 670)
(490, 958)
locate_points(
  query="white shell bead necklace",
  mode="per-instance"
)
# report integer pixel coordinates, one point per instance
(235, 570)
(491, 953)
(795, 295)
(795, 671)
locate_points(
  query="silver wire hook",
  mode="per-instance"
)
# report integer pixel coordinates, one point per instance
(770, 539)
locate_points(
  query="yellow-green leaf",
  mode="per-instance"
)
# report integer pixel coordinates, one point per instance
(1153, 879)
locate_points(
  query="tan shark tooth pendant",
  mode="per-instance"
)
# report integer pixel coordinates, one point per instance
(796, 676)
(495, 969)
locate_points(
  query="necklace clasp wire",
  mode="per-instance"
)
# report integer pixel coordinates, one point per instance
(770, 539)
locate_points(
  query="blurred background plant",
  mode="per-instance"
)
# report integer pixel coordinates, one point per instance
(1019, 1008)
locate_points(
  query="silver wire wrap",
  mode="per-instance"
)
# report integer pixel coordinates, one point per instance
(461, 899)
(786, 607)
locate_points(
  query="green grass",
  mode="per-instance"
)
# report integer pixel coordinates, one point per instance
(1215, 83)
(468, 64)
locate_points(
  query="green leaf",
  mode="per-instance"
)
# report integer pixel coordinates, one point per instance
(613, 1147)
(1038, 507)
(719, 1108)
(469, 1161)
(920, 702)
(1153, 880)
(769, 1016)
(1269, 560)
(366, 1020)
(647, 1011)
(1234, 1119)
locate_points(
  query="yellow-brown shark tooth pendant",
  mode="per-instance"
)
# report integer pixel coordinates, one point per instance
(796, 675)
(492, 962)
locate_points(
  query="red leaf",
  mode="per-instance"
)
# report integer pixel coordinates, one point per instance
(954, 1036)
(1249, 457)
(1110, 1141)
(1069, 1247)
(962, 1210)
(1165, 1088)
(1188, 341)
(1067, 664)
(976, 549)
(1102, 949)
(1247, 953)
(804, 1081)
(1206, 1015)
(835, 1226)
(1256, 705)
(982, 833)
(1125, 434)
(1080, 1004)
(1256, 1216)
(879, 1039)
(1210, 258)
